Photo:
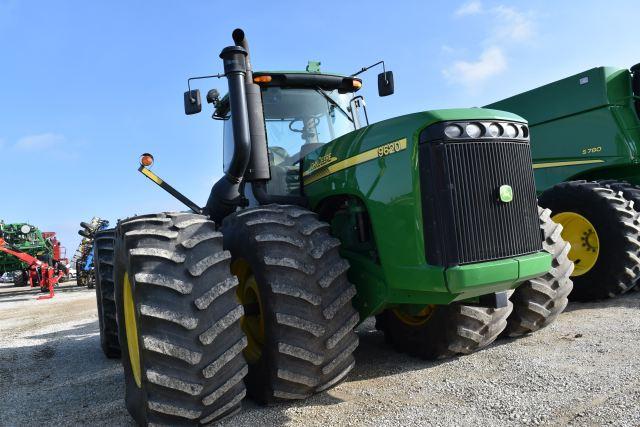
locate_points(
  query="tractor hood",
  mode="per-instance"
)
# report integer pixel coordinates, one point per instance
(386, 138)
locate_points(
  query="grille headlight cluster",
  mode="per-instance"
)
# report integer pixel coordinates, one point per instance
(486, 129)
(453, 131)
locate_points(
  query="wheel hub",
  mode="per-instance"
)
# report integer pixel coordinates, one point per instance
(584, 240)
(252, 322)
(131, 329)
(418, 319)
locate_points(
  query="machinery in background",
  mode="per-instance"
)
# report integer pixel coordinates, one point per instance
(28, 239)
(585, 143)
(39, 273)
(83, 258)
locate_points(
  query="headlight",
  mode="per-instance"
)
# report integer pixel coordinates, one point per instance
(479, 129)
(494, 130)
(453, 131)
(511, 131)
(473, 130)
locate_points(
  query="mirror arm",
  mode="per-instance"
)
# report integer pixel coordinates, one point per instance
(363, 69)
(218, 76)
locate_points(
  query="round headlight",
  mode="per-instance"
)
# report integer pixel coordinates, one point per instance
(494, 130)
(453, 131)
(473, 130)
(511, 131)
(25, 229)
(525, 131)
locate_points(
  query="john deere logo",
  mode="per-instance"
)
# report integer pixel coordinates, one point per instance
(506, 193)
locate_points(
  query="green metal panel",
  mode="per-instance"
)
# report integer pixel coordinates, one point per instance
(582, 127)
(388, 186)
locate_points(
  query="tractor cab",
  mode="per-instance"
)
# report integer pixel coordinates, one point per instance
(302, 112)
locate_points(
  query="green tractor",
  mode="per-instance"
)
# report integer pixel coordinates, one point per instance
(23, 238)
(586, 150)
(427, 221)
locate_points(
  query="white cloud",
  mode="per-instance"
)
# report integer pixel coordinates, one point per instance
(39, 141)
(469, 8)
(492, 62)
(506, 27)
(514, 27)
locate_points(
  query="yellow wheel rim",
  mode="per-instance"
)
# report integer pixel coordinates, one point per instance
(252, 322)
(582, 235)
(131, 329)
(415, 319)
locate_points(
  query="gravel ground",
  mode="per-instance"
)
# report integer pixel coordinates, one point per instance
(583, 370)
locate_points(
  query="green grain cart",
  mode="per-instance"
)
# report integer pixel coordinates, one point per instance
(427, 221)
(23, 238)
(585, 142)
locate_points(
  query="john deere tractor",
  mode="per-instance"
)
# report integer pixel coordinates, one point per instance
(427, 221)
(585, 132)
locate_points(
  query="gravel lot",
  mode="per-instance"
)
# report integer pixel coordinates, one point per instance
(583, 370)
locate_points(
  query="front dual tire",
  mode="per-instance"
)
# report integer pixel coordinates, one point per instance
(439, 332)
(179, 320)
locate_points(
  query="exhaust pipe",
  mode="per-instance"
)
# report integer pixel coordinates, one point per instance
(258, 168)
(225, 195)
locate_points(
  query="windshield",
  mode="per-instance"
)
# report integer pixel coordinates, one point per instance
(297, 121)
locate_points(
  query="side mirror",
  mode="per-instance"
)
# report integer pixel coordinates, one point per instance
(192, 102)
(385, 83)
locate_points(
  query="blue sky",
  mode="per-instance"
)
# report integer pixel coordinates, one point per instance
(86, 86)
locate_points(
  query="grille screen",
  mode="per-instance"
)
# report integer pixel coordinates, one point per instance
(465, 221)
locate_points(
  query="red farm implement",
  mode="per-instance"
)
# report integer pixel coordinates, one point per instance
(39, 272)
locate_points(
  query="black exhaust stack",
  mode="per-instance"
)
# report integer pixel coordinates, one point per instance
(258, 168)
(225, 195)
(250, 161)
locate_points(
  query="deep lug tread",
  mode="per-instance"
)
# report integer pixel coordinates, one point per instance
(309, 318)
(455, 329)
(104, 242)
(181, 281)
(611, 208)
(538, 302)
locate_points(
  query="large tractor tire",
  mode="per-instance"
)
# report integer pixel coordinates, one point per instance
(538, 302)
(179, 320)
(104, 246)
(20, 279)
(630, 192)
(442, 331)
(604, 232)
(91, 277)
(299, 319)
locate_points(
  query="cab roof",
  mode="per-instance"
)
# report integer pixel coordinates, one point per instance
(326, 81)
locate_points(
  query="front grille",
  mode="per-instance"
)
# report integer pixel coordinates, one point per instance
(464, 219)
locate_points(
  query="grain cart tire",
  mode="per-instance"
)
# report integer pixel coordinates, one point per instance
(179, 320)
(105, 297)
(538, 302)
(441, 331)
(604, 232)
(629, 192)
(299, 319)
